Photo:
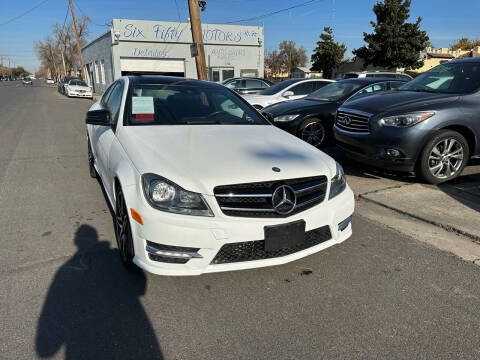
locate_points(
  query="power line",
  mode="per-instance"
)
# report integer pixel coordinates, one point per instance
(66, 16)
(24, 13)
(273, 12)
(80, 9)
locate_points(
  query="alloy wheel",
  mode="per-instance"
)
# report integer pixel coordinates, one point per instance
(122, 225)
(446, 158)
(313, 133)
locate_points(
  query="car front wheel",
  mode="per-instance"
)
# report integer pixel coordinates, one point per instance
(313, 132)
(123, 232)
(444, 157)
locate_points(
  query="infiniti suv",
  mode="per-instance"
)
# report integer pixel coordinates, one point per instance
(430, 125)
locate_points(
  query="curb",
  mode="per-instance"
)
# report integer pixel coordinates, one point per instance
(473, 237)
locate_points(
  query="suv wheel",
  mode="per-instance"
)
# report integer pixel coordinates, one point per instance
(313, 132)
(123, 232)
(444, 157)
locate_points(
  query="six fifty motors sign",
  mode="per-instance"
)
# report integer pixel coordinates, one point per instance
(161, 31)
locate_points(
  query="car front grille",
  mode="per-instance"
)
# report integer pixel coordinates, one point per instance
(255, 199)
(255, 250)
(352, 122)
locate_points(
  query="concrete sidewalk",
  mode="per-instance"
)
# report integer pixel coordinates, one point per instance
(453, 206)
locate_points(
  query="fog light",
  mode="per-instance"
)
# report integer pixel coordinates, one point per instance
(344, 224)
(393, 152)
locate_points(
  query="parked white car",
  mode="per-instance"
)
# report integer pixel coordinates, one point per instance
(49, 81)
(78, 88)
(291, 89)
(201, 182)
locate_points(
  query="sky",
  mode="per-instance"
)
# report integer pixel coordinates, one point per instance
(445, 21)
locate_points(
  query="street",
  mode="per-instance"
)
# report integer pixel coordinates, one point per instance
(65, 294)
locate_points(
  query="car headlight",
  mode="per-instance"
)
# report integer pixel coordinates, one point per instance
(406, 120)
(163, 194)
(338, 183)
(286, 117)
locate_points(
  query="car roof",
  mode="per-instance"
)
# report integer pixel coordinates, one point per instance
(469, 60)
(367, 80)
(169, 80)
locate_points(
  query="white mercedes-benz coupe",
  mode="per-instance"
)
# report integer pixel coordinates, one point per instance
(200, 182)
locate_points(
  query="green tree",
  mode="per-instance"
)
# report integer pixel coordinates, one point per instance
(19, 71)
(328, 54)
(394, 42)
(465, 44)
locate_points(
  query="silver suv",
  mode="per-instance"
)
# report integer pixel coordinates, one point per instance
(377, 74)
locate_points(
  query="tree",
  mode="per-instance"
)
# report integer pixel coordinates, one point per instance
(465, 44)
(292, 57)
(394, 42)
(58, 53)
(328, 54)
(274, 62)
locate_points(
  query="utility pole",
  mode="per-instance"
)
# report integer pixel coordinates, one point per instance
(78, 40)
(197, 37)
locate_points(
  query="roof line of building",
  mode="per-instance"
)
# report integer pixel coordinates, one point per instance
(97, 38)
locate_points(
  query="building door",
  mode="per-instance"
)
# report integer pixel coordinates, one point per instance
(129, 66)
(220, 74)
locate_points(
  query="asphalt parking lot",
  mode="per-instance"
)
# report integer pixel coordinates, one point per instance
(384, 293)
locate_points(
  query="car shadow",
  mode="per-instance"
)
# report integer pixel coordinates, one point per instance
(93, 307)
(354, 168)
(465, 188)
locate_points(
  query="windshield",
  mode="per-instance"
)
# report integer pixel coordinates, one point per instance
(77, 83)
(166, 104)
(277, 87)
(454, 78)
(335, 91)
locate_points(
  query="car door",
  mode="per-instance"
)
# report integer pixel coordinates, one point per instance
(300, 90)
(106, 134)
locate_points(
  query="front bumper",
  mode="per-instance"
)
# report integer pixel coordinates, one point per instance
(370, 148)
(79, 94)
(209, 234)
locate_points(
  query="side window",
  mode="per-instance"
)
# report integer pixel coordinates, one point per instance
(265, 85)
(302, 89)
(370, 75)
(115, 101)
(106, 94)
(396, 84)
(370, 90)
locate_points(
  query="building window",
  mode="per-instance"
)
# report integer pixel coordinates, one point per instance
(95, 70)
(102, 71)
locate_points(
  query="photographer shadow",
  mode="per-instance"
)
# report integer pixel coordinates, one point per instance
(93, 307)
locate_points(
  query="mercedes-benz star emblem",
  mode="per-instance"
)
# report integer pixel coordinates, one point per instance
(284, 199)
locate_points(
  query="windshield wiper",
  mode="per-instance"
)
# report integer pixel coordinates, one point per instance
(421, 90)
(203, 122)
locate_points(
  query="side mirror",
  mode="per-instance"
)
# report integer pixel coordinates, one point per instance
(98, 117)
(287, 94)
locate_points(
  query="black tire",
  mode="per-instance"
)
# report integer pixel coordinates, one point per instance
(91, 160)
(123, 232)
(443, 158)
(314, 132)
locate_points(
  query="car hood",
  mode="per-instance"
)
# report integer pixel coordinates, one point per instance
(289, 107)
(398, 101)
(200, 157)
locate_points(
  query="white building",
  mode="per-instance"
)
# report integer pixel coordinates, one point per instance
(163, 48)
